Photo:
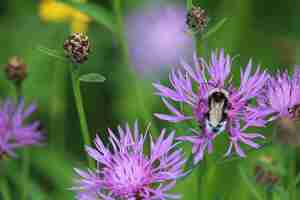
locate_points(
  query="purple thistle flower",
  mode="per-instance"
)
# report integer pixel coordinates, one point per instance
(282, 96)
(157, 37)
(216, 103)
(14, 132)
(125, 171)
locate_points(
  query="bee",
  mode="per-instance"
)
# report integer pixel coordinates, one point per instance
(216, 117)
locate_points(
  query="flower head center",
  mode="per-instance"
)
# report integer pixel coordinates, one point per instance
(129, 175)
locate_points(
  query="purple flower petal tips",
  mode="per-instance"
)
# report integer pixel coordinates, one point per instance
(125, 172)
(15, 133)
(282, 95)
(218, 105)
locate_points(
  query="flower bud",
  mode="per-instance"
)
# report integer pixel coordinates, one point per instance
(16, 69)
(77, 47)
(197, 19)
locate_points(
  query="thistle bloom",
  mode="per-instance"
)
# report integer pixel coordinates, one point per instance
(157, 37)
(216, 103)
(14, 132)
(125, 171)
(55, 11)
(282, 96)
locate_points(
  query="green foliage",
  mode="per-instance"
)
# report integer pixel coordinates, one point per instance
(214, 29)
(92, 78)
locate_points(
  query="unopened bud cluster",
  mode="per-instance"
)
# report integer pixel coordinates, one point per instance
(197, 19)
(16, 69)
(77, 47)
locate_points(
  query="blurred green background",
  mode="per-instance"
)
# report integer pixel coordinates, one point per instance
(267, 31)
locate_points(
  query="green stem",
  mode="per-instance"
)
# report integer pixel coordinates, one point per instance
(189, 4)
(26, 152)
(119, 22)
(25, 173)
(292, 173)
(4, 189)
(80, 110)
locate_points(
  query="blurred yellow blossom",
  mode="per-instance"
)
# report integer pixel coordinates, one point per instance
(55, 11)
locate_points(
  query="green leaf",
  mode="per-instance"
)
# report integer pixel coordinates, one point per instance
(92, 78)
(51, 52)
(100, 14)
(214, 29)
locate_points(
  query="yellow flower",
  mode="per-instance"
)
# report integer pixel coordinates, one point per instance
(55, 11)
(79, 22)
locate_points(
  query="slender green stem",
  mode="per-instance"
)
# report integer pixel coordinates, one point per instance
(26, 152)
(189, 4)
(18, 87)
(4, 189)
(80, 110)
(292, 173)
(120, 26)
(25, 173)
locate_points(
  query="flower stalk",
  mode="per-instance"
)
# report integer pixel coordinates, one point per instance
(189, 4)
(79, 105)
(4, 189)
(18, 75)
(26, 153)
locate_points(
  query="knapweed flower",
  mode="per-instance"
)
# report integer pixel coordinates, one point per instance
(217, 104)
(281, 100)
(157, 37)
(15, 132)
(55, 11)
(77, 47)
(125, 171)
(282, 96)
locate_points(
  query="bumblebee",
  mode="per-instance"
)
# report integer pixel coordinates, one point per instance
(216, 117)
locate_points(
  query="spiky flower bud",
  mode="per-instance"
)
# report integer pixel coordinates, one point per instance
(16, 69)
(77, 47)
(197, 19)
